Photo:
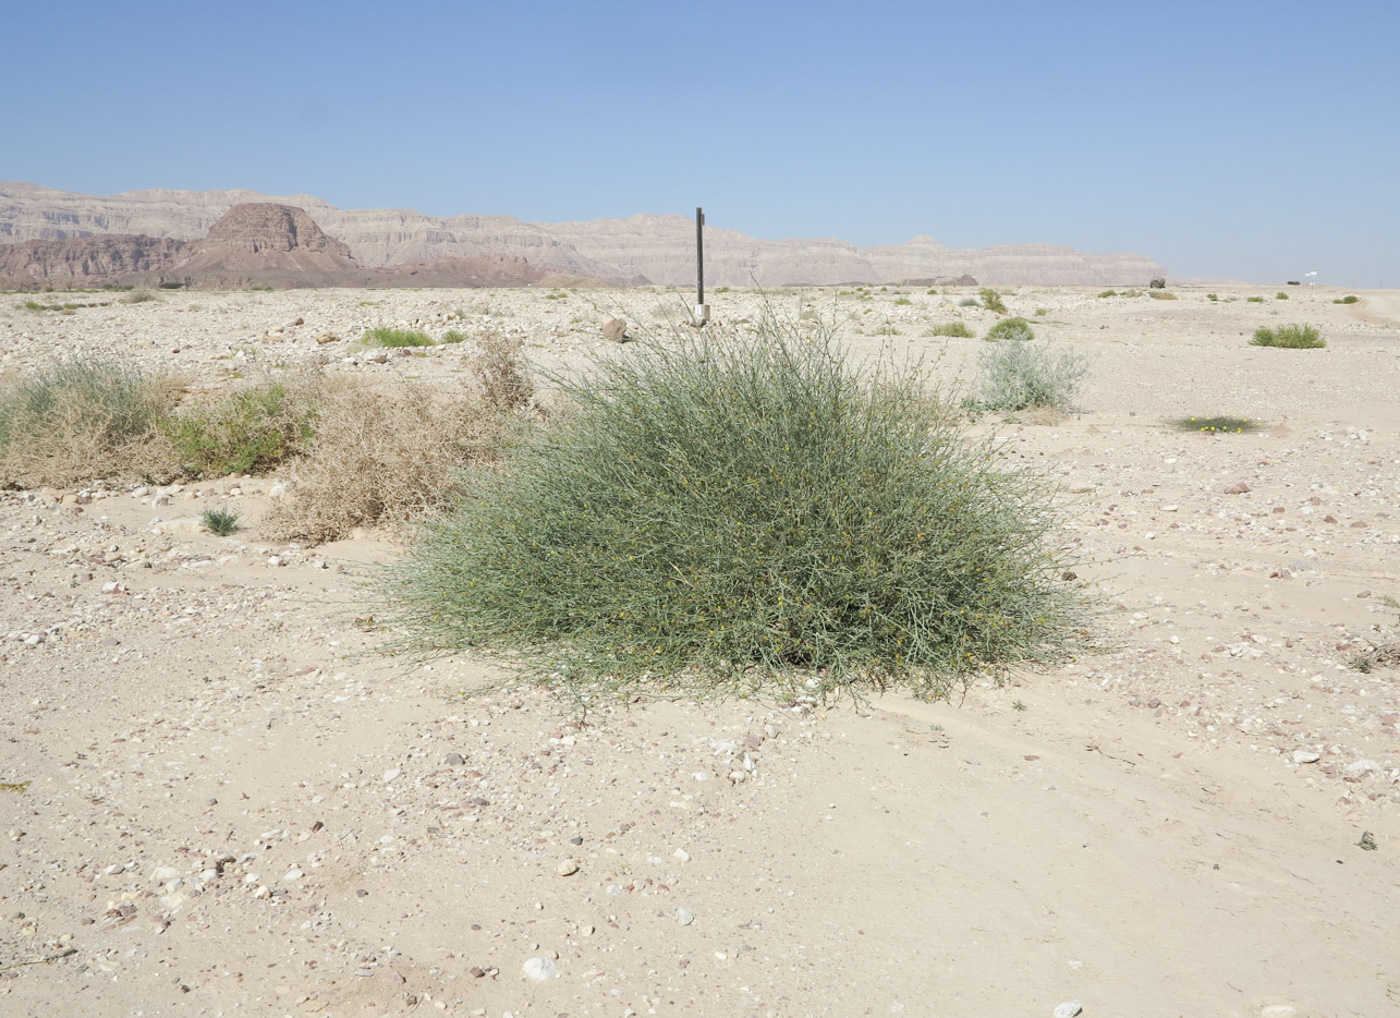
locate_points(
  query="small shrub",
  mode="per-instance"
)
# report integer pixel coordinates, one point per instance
(1020, 376)
(385, 453)
(138, 297)
(969, 302)
(1254, 300)
(220, 522)
(991, 300)
(79, 422)
(903, 300)
(1217, 425)
(1280, 296)
(250, 430)
(1010, 328)
(505, 381)
(1109, 293)
(394, 338)
(1290, 337)
(1041, 312)
(1161, 295)
(956, 329)
(170, 285)
(1211, 296)
(727, 508)
(1350, 298)
(453, 336)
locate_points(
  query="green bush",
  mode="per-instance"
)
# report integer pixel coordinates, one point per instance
(452, 336)
(969, 302)
(903, 300)
(1291, 337)
(384, 336)
(1019, 376)
(1350, 298)
(991, 300)
(220, 522)
(1280, 296)
(1109, 293)
(715, 514)
(1010, 328)
(251, 430)
(78, 422)
(1212, 297)
(1254, 300)
(956, 329)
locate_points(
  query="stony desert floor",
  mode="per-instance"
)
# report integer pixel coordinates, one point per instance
(222, 795)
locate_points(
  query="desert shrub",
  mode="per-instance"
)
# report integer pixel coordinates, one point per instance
(220, 522)
(1291, 337)
(1019, 376)
(1217, 424)
(384, 453)
(453, 336)
(991, 300)
(956, 329)
(137, 297)
(903, 300)
(1212, 297)
(79, 422)
(1254, 300)
(718, 511)
(170, 284)
(385, 336)
(1280, 296)
(1109, 293)
(1041, 312)
(969, 302)
(1010, 328)
(250, 430)
(505, 381)
(1350, 298)
(1161, 295)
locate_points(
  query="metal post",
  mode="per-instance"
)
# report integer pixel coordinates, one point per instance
(702, 310)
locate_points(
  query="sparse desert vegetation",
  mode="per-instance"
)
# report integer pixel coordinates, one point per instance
(1289, 337)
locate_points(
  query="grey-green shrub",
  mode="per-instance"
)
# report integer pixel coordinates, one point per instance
(1290, 337)
(1010, 328)
(1018, 376)
(70, 423)
(720, 510)
(991, 300)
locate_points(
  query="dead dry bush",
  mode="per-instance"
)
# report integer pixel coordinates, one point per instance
(77, 423)
(385, 452)
(505, 382)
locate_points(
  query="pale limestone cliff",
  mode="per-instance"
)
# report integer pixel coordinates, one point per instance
(655, 248)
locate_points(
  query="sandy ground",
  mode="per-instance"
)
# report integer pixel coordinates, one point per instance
(224, 796)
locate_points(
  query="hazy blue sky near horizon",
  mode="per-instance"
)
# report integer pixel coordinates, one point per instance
(1254, 140)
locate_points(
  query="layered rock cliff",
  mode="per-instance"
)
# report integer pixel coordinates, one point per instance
(655, 248)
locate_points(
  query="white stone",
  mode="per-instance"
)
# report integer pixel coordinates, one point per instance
(540, 969)
(1068, 1009)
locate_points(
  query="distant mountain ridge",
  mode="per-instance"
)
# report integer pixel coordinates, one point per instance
(643, 248)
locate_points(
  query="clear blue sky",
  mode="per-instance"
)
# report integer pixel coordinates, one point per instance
(1249, 139)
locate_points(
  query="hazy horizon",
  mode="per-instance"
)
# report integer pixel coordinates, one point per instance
(1246, 141)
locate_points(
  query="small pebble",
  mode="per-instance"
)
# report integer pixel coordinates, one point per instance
(685, 916)
(568, 867)
(1068, 1009)
(1305, 756)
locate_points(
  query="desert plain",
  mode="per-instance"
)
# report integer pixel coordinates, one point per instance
(224, 793)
